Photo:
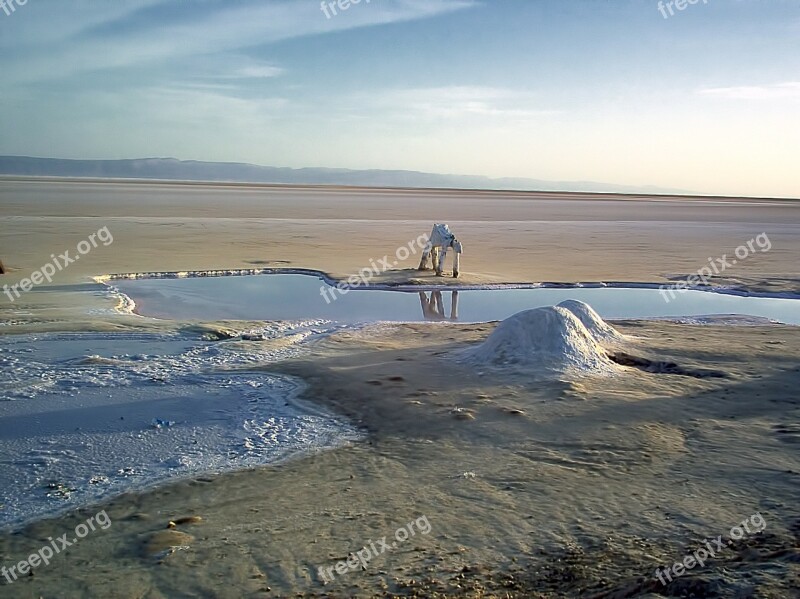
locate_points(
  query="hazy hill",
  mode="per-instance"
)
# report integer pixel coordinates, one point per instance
(192, 170)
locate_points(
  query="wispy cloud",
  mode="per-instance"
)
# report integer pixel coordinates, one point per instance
(256, 72)
(165, 106)
(222, 27)
(46, 22)
(788, 89)
(231, 67)
(456, 102)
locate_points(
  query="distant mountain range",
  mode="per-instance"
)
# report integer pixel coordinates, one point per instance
(192, 170)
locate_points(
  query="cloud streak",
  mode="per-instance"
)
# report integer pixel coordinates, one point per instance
(47, 22)
(455, 102)
(223, 27)
(788, 89)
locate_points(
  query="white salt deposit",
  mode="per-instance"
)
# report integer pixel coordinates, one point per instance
(599, 328)
(85, 416)
(543, 340)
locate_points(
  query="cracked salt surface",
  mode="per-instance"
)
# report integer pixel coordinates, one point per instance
(77, 413)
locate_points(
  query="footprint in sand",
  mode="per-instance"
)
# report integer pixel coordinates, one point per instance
(463, 414)
(514, 411)
(164, 542)
(788, 433)
(184, 520)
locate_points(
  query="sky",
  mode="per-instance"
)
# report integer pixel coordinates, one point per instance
(706, 99)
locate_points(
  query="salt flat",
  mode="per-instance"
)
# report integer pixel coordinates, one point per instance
(562, 485)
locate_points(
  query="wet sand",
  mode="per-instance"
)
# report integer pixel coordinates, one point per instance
(533, 487)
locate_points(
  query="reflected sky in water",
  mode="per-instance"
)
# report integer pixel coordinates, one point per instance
(296, 297)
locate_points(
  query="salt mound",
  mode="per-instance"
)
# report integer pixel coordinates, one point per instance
(547, 339)
(598, 327)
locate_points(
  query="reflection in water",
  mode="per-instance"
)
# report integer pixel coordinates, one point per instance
(278, 297)
(433, 308)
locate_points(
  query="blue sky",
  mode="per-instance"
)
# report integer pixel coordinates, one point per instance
(706, 100)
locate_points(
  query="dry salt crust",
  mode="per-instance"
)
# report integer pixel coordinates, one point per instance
(86, 416)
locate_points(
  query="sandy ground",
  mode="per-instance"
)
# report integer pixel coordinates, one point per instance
(507, 237)
(560, 488)
(532, 487)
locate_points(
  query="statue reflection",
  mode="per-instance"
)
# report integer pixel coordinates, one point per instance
(433, 307)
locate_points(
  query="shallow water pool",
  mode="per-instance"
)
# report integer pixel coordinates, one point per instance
(295, 296)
